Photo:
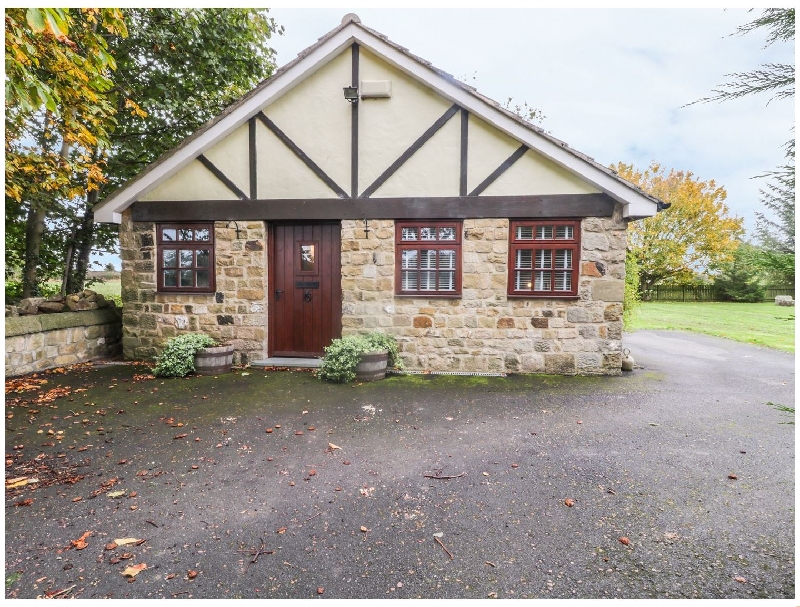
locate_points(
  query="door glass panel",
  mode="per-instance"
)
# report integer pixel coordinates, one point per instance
(307, 258)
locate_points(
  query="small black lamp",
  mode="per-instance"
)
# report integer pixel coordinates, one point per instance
(351, 94)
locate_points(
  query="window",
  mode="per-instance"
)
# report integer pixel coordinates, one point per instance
(544, 258)
(428, 258)
(185, 257)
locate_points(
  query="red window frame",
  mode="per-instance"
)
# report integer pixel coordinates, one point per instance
(177, 265)
(543, 264)
(420, 274)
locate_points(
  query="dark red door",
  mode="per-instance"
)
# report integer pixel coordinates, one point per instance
(306, 289)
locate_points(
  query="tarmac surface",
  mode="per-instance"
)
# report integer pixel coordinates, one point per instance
(673, 481)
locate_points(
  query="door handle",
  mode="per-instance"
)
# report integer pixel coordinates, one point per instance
(307, 295)
(278, 294)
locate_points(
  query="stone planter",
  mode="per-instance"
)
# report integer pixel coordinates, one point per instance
(372, 366)
(213, 360)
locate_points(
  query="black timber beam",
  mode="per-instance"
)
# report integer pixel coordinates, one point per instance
(451, 207)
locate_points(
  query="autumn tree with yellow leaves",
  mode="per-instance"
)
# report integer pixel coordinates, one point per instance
(691, 238)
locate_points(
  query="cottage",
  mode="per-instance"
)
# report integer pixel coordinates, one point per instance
(360, 188)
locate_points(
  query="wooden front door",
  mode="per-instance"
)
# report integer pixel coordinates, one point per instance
(305, 288)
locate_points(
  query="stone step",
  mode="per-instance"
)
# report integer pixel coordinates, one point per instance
(277, 361)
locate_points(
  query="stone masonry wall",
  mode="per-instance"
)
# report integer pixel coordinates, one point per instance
(485, 330)
(236, 313)
(36, 343)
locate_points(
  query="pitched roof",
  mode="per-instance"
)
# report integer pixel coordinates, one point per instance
(636, 203)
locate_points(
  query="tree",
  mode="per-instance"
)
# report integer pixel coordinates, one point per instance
(776, 236)
(175, 70)
(739, 280)
(58, 115)
(692, 237)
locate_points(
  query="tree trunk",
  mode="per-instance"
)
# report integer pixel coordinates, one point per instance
(84, 241)
(34, 229)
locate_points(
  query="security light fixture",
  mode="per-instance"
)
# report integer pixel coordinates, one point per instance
(351, 94)
(238, 229)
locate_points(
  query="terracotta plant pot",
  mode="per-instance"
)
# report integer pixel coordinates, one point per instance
(372, 366)
(213, 360)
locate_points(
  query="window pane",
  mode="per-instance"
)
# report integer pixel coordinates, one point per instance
(170, 258)
(544, 259)
(564, 232)
(563, 281)
(522, 281)
(168, 234)
(447, 281)
(203, 278)
(544, 232)
(187, 258)
(427, 281)
(524, 233)
(447, 233)
(409, 259)
(447, 260)
(185, 234)
(170, 278)
(542, 281)
(307, 262)
(202, 234)
(524, 259)
(409, 280)
(409, 234)
(203, 257)
(564, 259)
(187, 278)
(427, 233)
(427, 260)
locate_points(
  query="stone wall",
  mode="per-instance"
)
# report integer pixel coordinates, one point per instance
(236, 313)
(36, 343)
(485, 330)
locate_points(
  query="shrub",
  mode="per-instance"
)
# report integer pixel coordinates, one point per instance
(631, 299)
(177, 357)
(344, 354)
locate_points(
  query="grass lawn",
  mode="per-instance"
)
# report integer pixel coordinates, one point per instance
(762, 324)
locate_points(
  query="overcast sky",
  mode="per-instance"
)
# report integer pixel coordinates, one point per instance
(611, 82)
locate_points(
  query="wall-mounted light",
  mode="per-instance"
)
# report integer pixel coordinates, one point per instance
(351, 94)
(238, 229)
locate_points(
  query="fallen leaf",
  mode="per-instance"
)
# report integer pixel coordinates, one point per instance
(133, 570)
(81, 543)
(191, 574)
(740, 579)
(299, 433)
(320, 590)
(624, 541)
(20, 481)
(733, 477)
(312, 472)
(25, 502)
(119, 493)
(270, 430)
(244, 373)
(128, 540)
(179, 436)
(111, 546)
(364, 529)
(569, 502)
(282, 530)
(332, 447)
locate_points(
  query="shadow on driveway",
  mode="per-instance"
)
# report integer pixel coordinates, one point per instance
(679, 476)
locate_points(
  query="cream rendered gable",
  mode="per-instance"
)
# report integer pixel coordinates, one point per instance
(388, 127)
(533, 174)
(281, 174)
(231, 156)
(193, 182)
(433, 171)
(315, 116)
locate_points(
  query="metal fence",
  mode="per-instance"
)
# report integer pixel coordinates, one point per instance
(706, 293)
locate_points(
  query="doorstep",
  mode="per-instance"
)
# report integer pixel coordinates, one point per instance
(301, 363)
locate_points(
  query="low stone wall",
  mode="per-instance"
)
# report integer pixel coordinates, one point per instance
(46, 341)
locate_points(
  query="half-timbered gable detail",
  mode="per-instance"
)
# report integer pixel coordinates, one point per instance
(416, 206)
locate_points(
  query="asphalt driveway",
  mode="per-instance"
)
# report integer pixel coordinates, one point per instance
(673, 481)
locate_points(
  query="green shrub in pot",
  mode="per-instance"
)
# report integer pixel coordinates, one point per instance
(177, 357)
(344, 354)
